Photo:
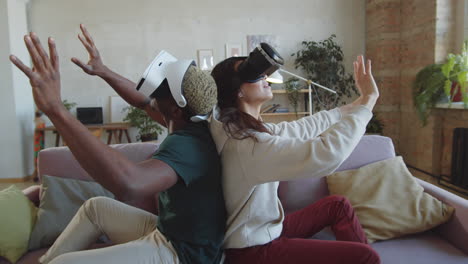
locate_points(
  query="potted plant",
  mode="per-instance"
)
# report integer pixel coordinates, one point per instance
(441, 83)
(428, 90)
(68, 105)
(322, 62)
(293, 91)
(455, 71)
(375, 126)
(148, 128)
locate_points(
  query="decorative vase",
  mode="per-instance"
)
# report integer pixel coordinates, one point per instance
(457, 97)
(148, 137)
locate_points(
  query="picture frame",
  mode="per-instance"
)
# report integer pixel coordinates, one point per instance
(254, 40)
(233, 50)
(205, 59)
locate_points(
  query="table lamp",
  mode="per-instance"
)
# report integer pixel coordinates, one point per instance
(276, 77)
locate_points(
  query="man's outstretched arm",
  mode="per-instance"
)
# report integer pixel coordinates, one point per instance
(123, 86)
(130, 182)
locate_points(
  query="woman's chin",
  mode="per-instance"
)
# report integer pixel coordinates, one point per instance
(268, 98)
(270, 95)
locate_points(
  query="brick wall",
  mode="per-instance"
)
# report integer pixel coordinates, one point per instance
(418, 44)
(383, 26)
(403, 36)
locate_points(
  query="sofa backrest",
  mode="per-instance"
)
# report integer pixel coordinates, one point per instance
(60, 162)
(298, 194)
(294, 195)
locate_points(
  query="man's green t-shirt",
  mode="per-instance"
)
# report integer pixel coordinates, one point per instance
(192, 213)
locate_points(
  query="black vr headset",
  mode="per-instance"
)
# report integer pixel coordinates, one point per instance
(263, 60)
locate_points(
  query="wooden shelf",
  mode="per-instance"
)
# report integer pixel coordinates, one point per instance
(284, 114)
(455, 105)
(282, 91)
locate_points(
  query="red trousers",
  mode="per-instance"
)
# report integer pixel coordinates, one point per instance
(293, 246)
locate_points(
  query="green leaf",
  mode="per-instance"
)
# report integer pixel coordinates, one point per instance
(323, 62)
(448, 66)
(428, 88)
(447, 87)
(140, 119)
(461, 77)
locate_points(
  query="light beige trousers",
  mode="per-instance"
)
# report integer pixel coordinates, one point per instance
(132, 230)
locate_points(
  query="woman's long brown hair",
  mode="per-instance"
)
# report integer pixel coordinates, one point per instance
(237, 124)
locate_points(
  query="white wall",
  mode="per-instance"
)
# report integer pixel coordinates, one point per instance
(462, 22)
(130, 33)
(16, 99)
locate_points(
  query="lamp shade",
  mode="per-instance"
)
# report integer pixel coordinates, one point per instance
(275, 77)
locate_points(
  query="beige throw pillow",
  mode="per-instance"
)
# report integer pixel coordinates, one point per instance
(60, 200)
(388, 200)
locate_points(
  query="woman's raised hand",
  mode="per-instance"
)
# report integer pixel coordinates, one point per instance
(365, 82)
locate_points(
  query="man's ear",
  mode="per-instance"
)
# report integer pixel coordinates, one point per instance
(177, 112)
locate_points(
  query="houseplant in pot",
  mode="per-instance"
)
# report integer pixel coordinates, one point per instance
(428, 90)
(437, 83)
(148, 128)
(293, 88)
(322, 62)
(68, 105)
(455, 71)
(375, 126)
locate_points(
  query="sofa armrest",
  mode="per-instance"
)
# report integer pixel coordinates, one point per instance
(32, 192)
(456, 229)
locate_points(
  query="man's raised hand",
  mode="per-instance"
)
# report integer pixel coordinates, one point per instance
(45, 74)
(94, 65)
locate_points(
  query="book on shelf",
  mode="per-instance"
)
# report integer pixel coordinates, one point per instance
(281, 110)
(269, 108)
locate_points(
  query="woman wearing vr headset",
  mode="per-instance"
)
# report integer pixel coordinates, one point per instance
(256, 156)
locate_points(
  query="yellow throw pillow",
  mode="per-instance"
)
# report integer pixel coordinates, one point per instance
(17, 219)
(388, 200)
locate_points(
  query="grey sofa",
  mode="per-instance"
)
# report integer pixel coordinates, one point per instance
(445, 244)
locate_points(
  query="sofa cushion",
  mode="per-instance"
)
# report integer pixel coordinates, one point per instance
(423, 248)
(68, 167)
(298, 194)
(17, 217)
(388, 200)
(60, 200)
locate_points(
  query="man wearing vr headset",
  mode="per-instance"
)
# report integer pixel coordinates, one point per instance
(184, 172)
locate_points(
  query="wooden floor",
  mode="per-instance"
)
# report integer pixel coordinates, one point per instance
(20, 185)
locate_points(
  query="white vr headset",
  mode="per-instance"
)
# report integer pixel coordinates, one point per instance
(167, 67)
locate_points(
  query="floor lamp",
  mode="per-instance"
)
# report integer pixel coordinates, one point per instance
(276, 77)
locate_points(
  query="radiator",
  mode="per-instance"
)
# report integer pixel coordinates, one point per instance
(460, 157)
